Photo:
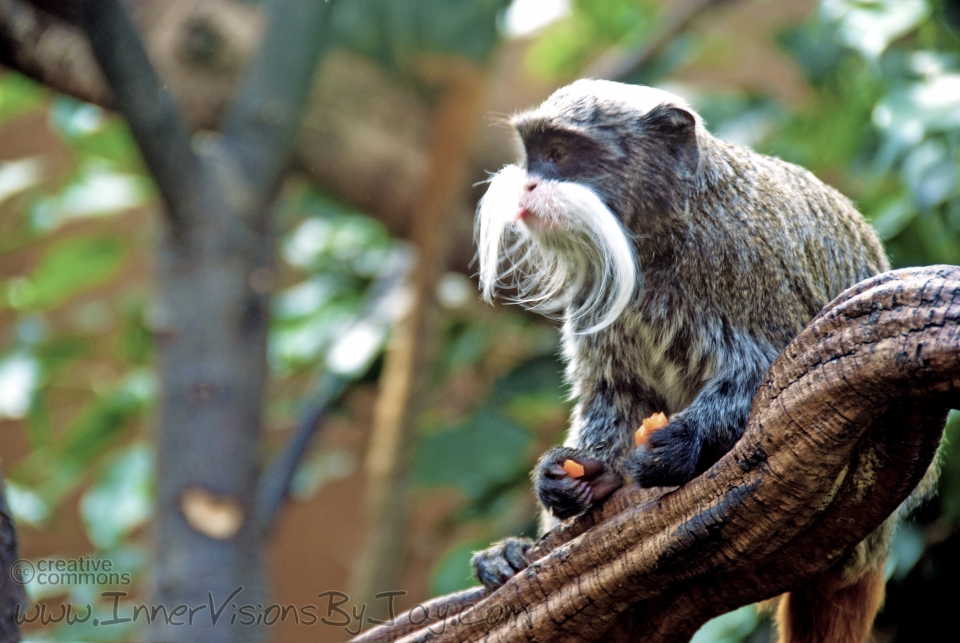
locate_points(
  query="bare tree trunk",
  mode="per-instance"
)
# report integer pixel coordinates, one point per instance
(212, 315)
(841, 432)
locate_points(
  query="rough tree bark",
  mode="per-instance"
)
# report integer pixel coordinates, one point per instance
(842, 430)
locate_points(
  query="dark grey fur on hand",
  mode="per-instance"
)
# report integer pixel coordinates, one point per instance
(680, 266)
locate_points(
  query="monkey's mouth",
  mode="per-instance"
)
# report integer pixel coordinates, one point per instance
(534, 221)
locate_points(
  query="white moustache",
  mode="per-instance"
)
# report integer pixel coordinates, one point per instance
(548, 255)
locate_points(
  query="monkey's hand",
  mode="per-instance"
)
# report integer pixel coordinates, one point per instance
(669, 458)
(495, 564)
(699, 435)
(565, 496)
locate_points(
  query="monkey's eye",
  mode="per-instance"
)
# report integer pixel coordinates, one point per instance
(556, 155)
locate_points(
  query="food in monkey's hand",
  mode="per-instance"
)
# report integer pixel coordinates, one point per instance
(648, 426)
(573, 469)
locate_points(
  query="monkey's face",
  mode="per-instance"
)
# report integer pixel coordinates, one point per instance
(599, 159)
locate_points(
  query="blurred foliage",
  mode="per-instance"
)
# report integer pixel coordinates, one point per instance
(498, 405)
(591, 28)
(74, 345)
(396, 33)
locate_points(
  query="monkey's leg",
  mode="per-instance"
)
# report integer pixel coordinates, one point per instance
(497, 563)
(839, 605)
(832, 607)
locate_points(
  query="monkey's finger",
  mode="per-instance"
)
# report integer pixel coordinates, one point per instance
(583, 492)
(605, 484)
(591, 467)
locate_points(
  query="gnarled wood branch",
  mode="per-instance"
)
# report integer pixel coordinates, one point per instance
(841, 432)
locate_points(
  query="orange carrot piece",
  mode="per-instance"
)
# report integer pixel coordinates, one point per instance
(650, 424)
(574, 469)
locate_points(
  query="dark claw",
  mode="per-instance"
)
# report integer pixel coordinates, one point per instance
(494, 565)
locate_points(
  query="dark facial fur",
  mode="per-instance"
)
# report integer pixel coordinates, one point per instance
(734, 253)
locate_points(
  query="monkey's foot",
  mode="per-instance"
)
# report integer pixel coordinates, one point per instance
(565, 496)
(495, 564)
(669, 458)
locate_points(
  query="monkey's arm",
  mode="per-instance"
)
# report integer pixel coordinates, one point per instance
(600, 437)
(699, 435)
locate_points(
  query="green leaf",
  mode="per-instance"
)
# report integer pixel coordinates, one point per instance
(19, 378)
(591, 28)
(906, 548)
(18, 95)
(490, 450)
(94, 431)
(69, 267)
(58, 467)
(25, 504)
(486, 451)
(122, 499)
(732, 627)
(930, 171)
(453, 571)
(135, 342)
(534, 377)
(396, 32)
(814, 46)
(20, 175)
(75, 119)
(869, 27)
(467, 347)
(894, 217)
(95, 136)
(949, 482)
(95, 191)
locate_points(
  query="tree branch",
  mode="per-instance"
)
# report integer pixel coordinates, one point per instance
(274, 484)
(842, 430)
(147, 107)
(50, 50)
(262, 121)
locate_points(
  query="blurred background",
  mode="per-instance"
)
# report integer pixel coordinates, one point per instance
(864, 93)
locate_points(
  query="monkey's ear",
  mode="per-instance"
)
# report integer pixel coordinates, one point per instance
(677, 128)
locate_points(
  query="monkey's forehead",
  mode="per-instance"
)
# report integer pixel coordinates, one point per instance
(596, 102)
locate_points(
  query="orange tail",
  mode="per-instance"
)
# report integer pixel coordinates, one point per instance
(832, 609)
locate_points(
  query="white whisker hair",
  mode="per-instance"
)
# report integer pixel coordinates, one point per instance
(585, 267)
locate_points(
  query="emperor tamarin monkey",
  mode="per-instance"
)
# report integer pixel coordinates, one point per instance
(681, 266)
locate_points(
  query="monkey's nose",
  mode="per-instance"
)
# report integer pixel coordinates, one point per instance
(531, 185)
